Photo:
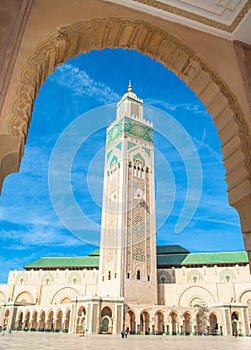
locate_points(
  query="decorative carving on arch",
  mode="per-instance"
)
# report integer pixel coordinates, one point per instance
(63, 294)
(113, 32)
(227, 275)
(189, 295)
(24, 297)
(21, 278)
(75, 278)
(245, 296)
(47, 278)
(194, 276)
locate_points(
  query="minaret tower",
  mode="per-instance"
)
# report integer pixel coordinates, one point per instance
(128, 235)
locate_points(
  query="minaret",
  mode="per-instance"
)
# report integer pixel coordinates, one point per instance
(128, 235)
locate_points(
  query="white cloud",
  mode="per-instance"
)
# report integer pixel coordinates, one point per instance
(190, 107)
(34, 236)
(82, 84)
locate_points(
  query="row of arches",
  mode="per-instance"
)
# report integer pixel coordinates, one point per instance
(187, 324)
(52, 320)
(56, 320)
(61, 296)
(174, 323)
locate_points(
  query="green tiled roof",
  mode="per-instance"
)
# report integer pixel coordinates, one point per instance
(171, 249)
(214, 258)
(174, 255)
(80, 261)
(95, 253)
(172, 259)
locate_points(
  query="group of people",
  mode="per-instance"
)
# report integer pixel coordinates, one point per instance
(124, 334)
(3, 329)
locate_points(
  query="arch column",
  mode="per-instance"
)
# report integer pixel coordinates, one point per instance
(11, 152)
(243, 207)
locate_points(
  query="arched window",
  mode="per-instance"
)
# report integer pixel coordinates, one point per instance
(139, 172)
(227, 278)
(134, 170)
(109, 275)
(142, 174)
(163, 279)
(138, 275)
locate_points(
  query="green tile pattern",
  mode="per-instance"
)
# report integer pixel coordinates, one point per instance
(131, 127)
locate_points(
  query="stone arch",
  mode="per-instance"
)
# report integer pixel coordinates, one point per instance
(245, 297)
(6, 317)
(130, 321)
(81, 320)
(50, 319)
(195, 293)
(64, 294)
(41, 320)
(27, 319)
(98, 34)
(19, 322)
(159, 322)
(34, 319)
(24, 297)
(187, 323)
(67, 317)
(173, 316)
(59, 320)
(114, 32)
(145, 322)
(106, 320)
(213, 323)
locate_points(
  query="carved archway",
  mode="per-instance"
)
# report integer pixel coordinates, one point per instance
(24, 297)
(196, 295)
(64, 295)
(113, 32)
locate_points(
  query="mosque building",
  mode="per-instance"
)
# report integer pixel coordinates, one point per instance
(130, 283)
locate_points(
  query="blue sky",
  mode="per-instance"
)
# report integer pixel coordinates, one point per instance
(80, 90)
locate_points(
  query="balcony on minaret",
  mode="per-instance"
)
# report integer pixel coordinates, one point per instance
(130, 106)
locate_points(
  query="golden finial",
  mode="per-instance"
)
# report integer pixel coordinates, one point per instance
(130, 86)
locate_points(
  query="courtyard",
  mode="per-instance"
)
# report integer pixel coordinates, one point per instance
(55, 341)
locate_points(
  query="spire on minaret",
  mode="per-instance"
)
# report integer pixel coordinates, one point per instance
(130, 86)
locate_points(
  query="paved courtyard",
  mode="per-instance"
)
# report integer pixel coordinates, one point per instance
(56, 341)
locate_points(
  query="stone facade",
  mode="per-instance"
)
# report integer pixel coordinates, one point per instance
(66, 300)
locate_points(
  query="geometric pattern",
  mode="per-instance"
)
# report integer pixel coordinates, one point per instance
(130, 127)
(64, 293)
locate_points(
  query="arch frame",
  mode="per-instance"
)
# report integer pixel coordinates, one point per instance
(194, 292)
(136, 34)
